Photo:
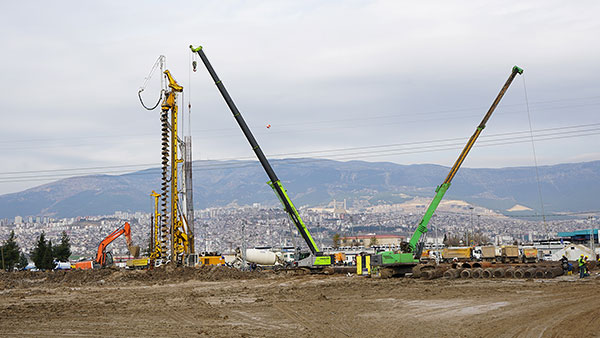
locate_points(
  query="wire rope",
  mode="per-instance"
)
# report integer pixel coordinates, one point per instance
(537, 173)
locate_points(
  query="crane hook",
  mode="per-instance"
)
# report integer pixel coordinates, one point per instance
(194, 64)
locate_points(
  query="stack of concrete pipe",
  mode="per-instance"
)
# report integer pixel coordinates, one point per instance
(486, 270)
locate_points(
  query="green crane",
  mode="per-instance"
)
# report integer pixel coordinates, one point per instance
(403, 262)
(317, 259)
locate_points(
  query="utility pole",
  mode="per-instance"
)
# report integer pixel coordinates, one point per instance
(472, 230)
(205, 237)
(2, 250)
(320, 233)
(592, 240)
(243, 244)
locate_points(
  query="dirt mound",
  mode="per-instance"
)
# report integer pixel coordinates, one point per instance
(110, 276)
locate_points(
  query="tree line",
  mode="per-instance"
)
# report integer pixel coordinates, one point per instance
(44, 254)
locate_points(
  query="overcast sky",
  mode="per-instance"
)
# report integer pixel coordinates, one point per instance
(329, 77)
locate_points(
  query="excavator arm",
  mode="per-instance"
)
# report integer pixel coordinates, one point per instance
(123, 230)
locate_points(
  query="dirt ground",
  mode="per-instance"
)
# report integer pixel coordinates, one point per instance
(220, 302)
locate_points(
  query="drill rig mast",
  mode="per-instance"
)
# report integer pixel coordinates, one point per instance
(170, 219)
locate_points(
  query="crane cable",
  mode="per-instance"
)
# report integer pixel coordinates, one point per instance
(160, 62)
(537, 173)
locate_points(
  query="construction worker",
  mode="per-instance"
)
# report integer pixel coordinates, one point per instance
(581, 265)
(566, 266)
(587, 270)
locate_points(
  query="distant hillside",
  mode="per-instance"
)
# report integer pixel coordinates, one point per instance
(565, 187)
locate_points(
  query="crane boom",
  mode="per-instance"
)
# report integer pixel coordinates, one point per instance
(274, 182)
(416, 244)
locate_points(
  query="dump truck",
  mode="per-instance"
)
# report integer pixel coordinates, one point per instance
(460, 253)
(138, 263)
(529, 255)
(510, 254)
(488, 253)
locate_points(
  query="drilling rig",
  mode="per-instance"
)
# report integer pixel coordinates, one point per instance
(172, 232)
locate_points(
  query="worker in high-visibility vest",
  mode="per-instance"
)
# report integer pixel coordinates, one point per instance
(581, 264)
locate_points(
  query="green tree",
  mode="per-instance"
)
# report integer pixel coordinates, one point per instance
(63, 250)
(37, 254)
(42, 254)
(10, 252)
(336, 240)
(48, 261)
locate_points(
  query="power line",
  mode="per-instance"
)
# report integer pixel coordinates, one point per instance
(335, 122)
(432, 144)
(343, 156)
(77, 169)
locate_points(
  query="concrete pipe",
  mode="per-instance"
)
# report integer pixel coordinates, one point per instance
(519, 273)
(558, 271)
(509, 273)
(466, 265)
(499, 273)
(549, 273)
(427, 274)
(451, 274)
(432, 274)
(476, 273)
(476, 265)
(555, 271)
(529, 273)
(539, 273)
(488, 273)
(466, 273)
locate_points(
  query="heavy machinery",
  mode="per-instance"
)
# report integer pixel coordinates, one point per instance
(155, 244)
(390, 263)
(259, 257)
(457, 253)
(529, 255)
(103, 257)
(509, 254)
(315, 259)
(173, 224)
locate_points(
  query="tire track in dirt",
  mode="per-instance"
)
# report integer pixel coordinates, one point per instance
(307, 324)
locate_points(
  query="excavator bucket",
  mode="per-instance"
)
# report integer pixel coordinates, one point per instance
(134, 250)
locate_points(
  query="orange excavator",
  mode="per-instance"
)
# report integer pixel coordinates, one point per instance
(103, 258)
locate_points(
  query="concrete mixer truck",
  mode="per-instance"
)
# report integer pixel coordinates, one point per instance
(259, 259)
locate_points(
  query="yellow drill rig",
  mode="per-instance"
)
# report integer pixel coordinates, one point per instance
(169, 224)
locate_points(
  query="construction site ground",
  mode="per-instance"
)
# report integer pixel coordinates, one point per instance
(222, 302)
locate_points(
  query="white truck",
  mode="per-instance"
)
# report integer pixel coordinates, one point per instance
(261, 258)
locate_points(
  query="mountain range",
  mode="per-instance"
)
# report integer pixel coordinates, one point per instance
(566, 187)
